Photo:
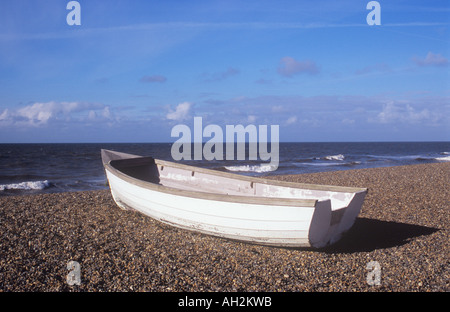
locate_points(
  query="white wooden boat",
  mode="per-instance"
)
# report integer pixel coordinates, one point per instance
(232, 206)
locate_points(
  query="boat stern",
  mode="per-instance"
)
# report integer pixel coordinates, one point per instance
(320, 224)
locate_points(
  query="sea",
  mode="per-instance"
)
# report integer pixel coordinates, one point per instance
(53, 168)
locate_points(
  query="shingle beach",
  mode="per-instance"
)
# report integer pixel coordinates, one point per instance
(403, 226)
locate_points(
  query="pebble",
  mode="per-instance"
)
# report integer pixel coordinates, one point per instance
(403, 226)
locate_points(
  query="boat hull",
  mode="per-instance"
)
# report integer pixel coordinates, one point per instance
(287, 222)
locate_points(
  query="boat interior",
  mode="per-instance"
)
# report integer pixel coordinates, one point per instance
(190, 178)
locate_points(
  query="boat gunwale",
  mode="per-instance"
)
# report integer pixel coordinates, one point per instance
(308, 186)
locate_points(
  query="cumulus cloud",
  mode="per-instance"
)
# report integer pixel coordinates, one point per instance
(154, 78)
(4, 116)
(291, 120)
(431, 59)
(251, 118)
(289, 67)
(348, 121)
(103, 114)
(181, 112)
(40, 114)
(335, 114)
(405, 113)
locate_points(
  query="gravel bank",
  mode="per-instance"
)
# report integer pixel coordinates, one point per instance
(404, 226)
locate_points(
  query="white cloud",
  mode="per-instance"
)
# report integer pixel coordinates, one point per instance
(40, 114)
(405, 113)
(290, 67)
(181, 112)
(373, 116)
(431, 59)
(348, 121)
(92, 115)
(278, 108)
(251, 118)
(291, 120)
(5, 115)
(106, 113)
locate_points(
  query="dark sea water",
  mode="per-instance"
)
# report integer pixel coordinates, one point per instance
(49, 168)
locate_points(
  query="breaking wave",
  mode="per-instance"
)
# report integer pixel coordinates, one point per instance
(329, 164)
(446, 158)
(331, 157)
(31, 185)
(256, 168)
(335, 157)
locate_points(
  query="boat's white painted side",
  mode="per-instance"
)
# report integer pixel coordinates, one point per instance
(236, 207)
(257, 223)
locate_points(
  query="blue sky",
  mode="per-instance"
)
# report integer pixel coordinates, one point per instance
(134, 69)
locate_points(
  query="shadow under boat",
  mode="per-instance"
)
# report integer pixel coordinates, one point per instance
(371, 234)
